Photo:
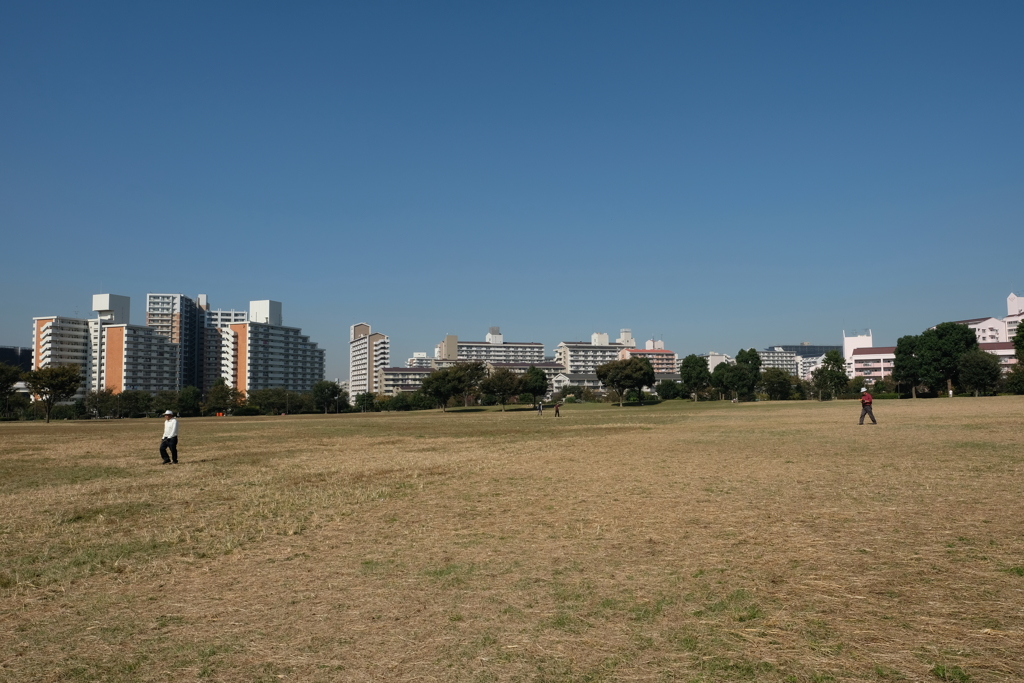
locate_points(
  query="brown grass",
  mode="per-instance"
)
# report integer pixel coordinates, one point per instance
(710, 542)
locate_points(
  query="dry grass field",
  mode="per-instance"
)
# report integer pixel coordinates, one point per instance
(710, 542)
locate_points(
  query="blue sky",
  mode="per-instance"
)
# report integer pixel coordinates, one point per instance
(719, 175)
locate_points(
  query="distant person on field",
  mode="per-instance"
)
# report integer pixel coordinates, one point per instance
(540, 408)
(556, 409)
(865, 407)
(170, 440)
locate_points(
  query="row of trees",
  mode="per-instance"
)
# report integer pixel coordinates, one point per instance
(948, 356)
(471, 380)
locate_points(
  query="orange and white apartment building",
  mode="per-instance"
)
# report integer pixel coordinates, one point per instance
(113, 354)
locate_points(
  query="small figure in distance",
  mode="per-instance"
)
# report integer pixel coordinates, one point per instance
(170, 440)
(540, 408)
(556, 409)
(865, 407)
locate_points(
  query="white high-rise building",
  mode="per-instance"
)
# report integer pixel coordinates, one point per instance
(369, 353)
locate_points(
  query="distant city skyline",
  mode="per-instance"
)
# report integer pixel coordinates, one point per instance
(724, 176)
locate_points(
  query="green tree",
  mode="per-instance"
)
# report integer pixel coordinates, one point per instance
(611, 375)
(502, 384)
(940, 351)
(694, 375)
(190, 401)
(53, 385)
(721, 379)
(400, 401)
(746, 374)
(830, 379)
(101, 403)
(667, 389)
(777, 383)
(165, 400)
(326, 395)
(135, 403)
(221, 398)
(639, 374)
(441, 385)
(1015, 379)
(534, 382)
(907, 368)
(979, 371)
(366, 402)
(1018, 345)
(466, 378)
(9, 376)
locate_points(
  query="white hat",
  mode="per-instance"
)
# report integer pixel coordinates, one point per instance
(168, 412)
(863, 390)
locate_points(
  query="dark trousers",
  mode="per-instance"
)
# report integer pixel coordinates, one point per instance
(866, 410)
(172, 445)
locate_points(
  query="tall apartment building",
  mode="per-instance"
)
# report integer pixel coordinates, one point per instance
(58, 340)
(581, 358)
(136, 358)
(180, 319)
(263, 353)
(494, 349)
(369, 353)
(111, 353)
(662, 360)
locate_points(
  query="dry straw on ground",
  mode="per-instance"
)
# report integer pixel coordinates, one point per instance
(709, 542)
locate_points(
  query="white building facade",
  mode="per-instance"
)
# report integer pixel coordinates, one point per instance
(369, 353)
(494, 349)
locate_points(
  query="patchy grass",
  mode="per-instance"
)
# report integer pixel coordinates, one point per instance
(696, 542)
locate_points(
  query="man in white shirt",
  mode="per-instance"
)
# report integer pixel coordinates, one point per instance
(170, 440)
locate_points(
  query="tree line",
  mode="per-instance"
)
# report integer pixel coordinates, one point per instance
(947, 357)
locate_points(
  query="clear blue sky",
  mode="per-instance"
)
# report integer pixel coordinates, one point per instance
(720, 175)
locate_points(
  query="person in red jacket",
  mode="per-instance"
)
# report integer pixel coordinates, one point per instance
(865, 407)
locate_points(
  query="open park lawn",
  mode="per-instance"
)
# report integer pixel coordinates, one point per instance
(692, 542)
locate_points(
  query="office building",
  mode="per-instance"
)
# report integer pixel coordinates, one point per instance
(16, 356)
(369, 353)
(494, 349)
(854, 341)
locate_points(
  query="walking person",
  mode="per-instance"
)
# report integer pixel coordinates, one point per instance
(170, 440)
(540, 408)
(865, 407)
(556, 409)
